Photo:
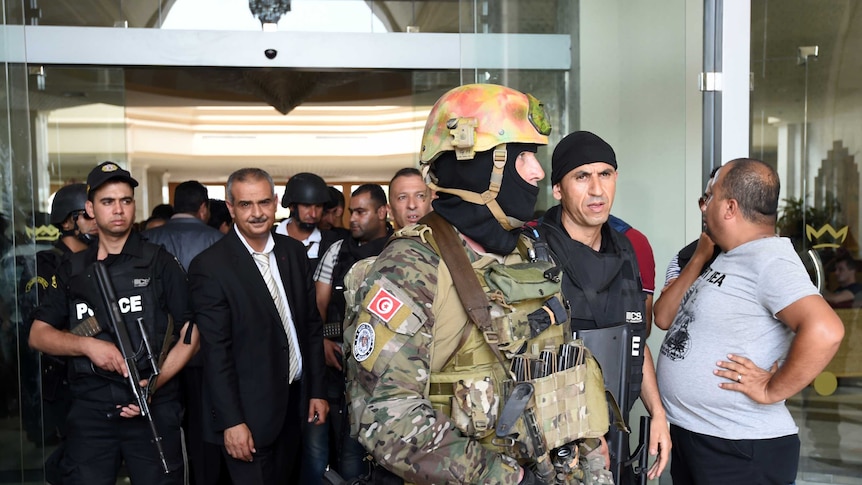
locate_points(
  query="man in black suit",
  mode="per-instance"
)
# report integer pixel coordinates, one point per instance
(254, 303)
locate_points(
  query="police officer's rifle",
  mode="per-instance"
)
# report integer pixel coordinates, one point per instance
(118, 327)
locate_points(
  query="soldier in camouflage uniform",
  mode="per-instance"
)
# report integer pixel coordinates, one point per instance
(409, 325)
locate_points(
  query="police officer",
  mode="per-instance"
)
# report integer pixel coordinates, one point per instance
(105, 428)
(77, 231)
(412, 339)
(305, 195)
(601, 281)
(68, 214)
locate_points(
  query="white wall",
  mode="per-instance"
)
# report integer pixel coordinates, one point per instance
(639, 67)
(638, 74)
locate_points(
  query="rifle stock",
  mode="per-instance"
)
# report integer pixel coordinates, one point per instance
(115, 320)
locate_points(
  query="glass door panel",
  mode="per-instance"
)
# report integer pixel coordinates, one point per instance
(806, 118)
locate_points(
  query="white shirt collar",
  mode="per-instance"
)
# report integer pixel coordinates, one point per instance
(270, 242)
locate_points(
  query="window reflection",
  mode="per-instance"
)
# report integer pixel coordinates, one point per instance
(806, 122)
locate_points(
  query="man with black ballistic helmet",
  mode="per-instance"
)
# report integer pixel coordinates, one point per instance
(306, 194)
(77, 231)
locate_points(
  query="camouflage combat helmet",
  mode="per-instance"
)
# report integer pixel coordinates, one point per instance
(67, 200)
(475, 118)
(478, 117)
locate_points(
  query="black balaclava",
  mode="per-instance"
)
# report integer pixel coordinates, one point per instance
(517, 197)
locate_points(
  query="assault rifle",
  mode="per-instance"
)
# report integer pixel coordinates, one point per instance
(641, 454)
(118, 327)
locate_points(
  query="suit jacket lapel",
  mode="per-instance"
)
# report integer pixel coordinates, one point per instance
(247, 271)
(282, 259)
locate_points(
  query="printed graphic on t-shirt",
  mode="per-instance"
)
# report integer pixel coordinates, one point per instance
(677, 343)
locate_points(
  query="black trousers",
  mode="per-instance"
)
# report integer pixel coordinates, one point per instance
(206, 464)
(274, 463)
(706, 460)
(98, 444)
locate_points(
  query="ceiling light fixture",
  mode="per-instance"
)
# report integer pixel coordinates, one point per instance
(269, 12)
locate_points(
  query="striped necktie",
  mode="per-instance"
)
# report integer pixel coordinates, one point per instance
(262, 260)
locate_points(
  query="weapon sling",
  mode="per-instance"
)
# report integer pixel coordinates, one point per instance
(469, 290)
(475, 303)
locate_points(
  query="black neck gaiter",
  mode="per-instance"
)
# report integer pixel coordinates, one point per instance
(517, 197)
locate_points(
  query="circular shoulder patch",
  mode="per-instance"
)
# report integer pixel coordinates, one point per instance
(363, 341)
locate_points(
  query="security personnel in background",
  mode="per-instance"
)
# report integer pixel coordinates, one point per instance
(305, 195)
(602, 283)
(425, 384)
(333, 214)
(77, 231)
(104, 427)
(369, 232)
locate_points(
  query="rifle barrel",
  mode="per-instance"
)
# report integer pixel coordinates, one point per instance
(124, 343)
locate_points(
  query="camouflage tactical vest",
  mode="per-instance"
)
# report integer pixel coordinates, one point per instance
(530, 318)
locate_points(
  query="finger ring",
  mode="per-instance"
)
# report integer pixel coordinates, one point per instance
(739, 378)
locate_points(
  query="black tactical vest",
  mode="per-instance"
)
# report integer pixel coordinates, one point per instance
(348, 254)
(604, 290)
(138, 290)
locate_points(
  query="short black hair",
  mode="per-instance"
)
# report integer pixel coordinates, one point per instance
(406, 172)
(219, 213)
(336, 199)
(374, 190)
(189, 195)
(162, 211)
(713, 171)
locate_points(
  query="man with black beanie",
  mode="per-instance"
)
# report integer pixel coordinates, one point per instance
(602, 283)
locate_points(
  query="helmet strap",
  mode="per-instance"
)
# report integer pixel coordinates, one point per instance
(487, 198)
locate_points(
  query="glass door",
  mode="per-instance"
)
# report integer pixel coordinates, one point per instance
(806, 116)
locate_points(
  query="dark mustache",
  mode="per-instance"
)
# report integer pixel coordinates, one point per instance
(255, 220)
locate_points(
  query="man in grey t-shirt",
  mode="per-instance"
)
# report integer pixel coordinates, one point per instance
(750, 331)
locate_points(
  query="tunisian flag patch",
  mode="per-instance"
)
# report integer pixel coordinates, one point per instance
(384, 305)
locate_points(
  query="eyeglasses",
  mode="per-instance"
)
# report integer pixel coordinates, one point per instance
(704, 200)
